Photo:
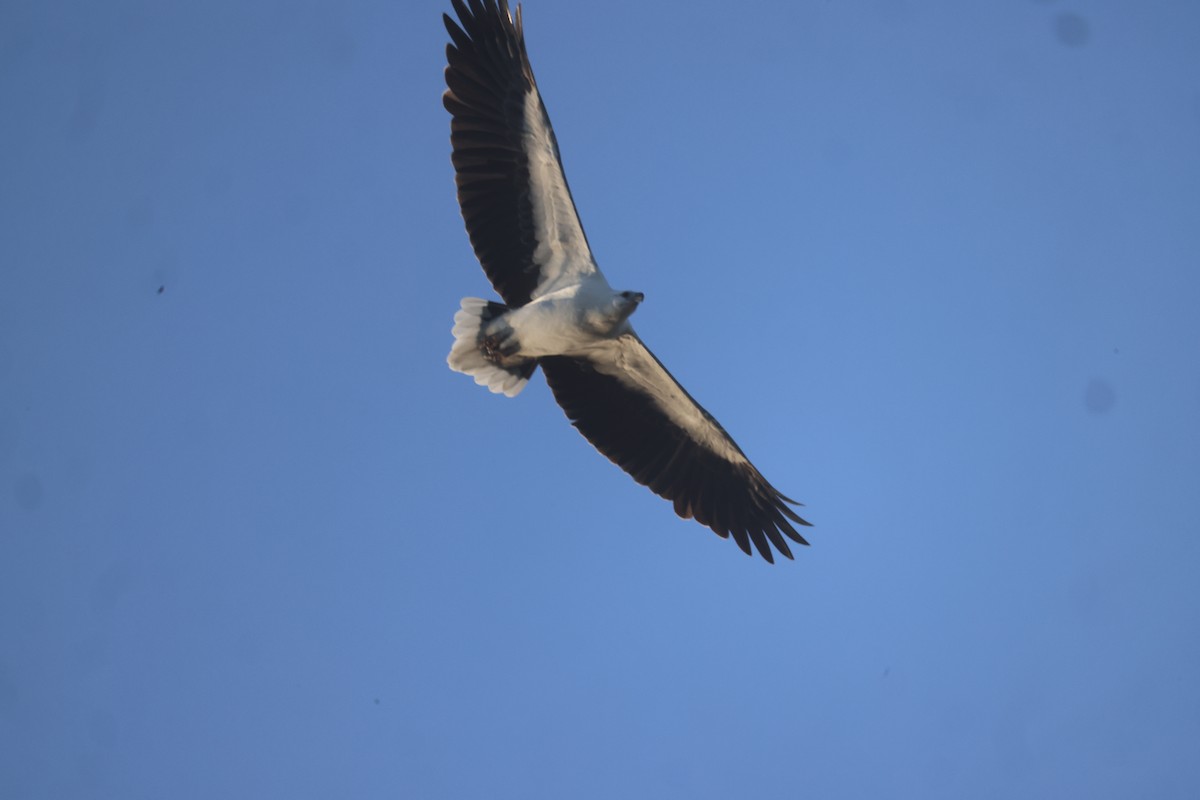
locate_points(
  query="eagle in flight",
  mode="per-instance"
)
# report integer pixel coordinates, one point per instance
(560, 313)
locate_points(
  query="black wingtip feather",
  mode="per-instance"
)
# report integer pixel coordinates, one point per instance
(743, 540)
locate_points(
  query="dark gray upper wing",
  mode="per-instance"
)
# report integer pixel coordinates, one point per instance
(511, 187)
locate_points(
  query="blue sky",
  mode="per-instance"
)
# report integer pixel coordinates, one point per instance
(936, 266)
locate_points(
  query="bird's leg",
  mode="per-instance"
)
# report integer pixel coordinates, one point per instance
(499, 346)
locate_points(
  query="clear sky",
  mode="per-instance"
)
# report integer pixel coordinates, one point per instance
(935, 265)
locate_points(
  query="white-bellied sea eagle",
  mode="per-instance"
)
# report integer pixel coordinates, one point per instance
(560, 313)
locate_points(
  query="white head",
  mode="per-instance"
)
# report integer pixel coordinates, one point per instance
(625, 303)
(609, 319)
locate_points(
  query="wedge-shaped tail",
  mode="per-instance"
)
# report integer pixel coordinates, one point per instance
(470, 357)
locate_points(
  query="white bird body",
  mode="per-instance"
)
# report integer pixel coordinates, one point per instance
(571, 320)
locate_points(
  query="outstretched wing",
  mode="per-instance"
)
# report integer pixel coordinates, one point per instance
(511, 187)
(626, 403)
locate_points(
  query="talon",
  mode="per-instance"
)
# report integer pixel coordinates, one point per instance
(491, 348)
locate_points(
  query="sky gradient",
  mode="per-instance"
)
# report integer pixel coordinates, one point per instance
(935, 266)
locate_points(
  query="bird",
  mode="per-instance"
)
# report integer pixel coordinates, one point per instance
(558, 310)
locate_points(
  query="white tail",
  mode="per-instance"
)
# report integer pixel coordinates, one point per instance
(467, 357)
